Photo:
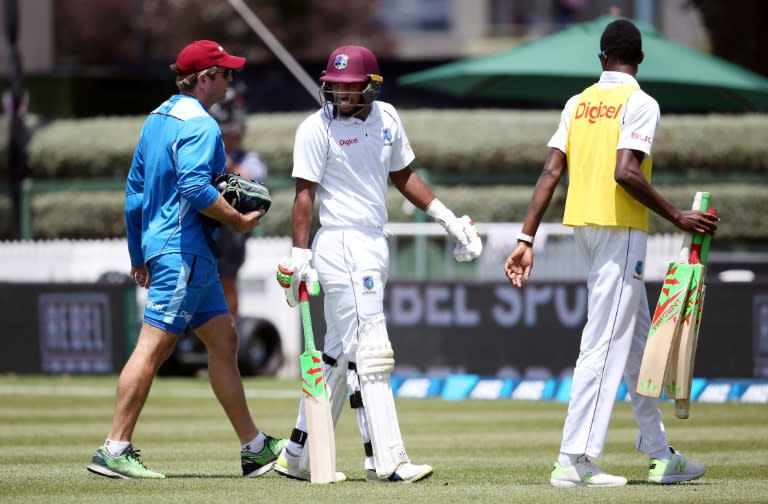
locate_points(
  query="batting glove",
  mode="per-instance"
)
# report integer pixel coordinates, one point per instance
(474, 245)
(463, 231)
(292, 270)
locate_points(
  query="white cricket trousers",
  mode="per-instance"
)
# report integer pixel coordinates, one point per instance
(612, 342)
(352, 265)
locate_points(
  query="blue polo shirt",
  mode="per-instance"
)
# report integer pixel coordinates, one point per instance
(179, 151)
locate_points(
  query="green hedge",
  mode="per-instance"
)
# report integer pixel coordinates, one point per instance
(84, 148)
(483, 162)
(464, 144)
(99, 214)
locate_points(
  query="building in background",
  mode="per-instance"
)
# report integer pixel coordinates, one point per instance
(35, 36)
(426, 29)
(450, 29)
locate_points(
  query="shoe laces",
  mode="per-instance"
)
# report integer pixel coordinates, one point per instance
(271, 443)
(134, 455)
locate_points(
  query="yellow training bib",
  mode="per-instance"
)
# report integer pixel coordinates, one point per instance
(594, 198)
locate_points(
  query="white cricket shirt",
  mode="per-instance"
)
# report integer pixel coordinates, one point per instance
(351, 160)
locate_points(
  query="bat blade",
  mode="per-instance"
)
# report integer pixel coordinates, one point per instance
(676, 383)
(687, 356)
(322, 452)
(317, 405)
(665, 330)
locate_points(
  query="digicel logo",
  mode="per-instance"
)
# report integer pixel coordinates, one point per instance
(595, 112)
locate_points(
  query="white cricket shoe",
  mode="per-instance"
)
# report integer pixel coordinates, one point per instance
(584, 473)
(676, 470)
(284, 468)
(405, 473)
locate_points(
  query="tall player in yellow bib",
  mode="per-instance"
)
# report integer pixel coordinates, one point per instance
(604, 141)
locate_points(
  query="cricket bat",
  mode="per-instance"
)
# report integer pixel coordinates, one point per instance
(668, 318)
(680, 372)
(317, 404)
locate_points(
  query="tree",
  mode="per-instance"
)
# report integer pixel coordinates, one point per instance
(110, 31)
(93, 32)
(737, 31)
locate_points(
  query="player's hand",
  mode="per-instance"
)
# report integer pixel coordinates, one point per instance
(461, 230)
(468, 246)
(519, 264)
(696, 221)
(248, 221)
(141, 276)
(293, 270)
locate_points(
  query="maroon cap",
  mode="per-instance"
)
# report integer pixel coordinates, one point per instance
(350, 63)
(202, 54)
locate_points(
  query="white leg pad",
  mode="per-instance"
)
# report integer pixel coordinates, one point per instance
(375, 362)
(336, 381)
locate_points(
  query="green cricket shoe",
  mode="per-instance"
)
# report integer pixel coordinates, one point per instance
(676, 470)
(256, 464)
(584, 473)
(124, 466)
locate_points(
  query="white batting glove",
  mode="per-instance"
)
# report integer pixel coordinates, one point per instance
(293, 270)
(468, 244)
(474, 246)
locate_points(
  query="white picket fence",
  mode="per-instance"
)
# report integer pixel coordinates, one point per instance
(556, 259)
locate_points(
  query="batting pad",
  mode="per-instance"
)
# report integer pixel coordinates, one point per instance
(375, 362)
(335, 380)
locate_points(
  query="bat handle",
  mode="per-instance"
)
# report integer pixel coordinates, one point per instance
(303, 294)
(688, 240)
(706, 241)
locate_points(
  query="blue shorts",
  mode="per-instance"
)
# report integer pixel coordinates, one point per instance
(185, 291)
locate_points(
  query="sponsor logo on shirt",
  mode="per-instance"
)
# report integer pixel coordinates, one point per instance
(368, 285)
(155, 306)
(638, 275)
(639, 136)
(594, 112)
(387, 135)
(347, 141)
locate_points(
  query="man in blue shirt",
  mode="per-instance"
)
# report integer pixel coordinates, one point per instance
(171, 207)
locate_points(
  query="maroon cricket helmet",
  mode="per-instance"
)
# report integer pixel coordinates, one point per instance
(350, 63)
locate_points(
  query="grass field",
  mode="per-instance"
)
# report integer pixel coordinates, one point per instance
(482, 451)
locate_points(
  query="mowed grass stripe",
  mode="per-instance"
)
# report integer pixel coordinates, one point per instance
(75, 391)
(482, 451)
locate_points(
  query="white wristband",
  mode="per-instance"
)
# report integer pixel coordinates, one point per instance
(301, 254)
(525, 238)
(439, 212)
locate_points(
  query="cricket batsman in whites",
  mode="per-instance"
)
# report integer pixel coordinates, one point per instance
(344, 154)
(604, 140)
